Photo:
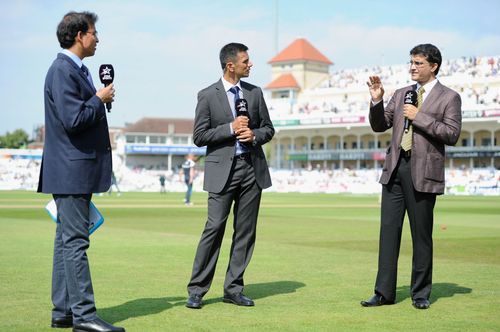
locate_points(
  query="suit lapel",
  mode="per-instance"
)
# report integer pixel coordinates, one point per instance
(78, 70)
(222, 97)
(432, 97)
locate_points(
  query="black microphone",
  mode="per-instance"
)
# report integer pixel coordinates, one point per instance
(107, 75)
(410, 98)
(241, 107)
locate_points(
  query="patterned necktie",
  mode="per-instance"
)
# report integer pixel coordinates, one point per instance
(235, 90)
(407, 136)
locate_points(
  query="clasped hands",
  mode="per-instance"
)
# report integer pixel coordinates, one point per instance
(241, 130)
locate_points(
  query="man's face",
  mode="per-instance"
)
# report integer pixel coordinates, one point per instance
(421, 70)
(242, 65)
(89, 41)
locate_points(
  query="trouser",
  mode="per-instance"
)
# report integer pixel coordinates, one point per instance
(72, 292)
(399, 196)
(244, 191)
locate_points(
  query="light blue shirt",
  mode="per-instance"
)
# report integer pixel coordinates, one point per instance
(78, 62)
(230, 98)
(73, 57)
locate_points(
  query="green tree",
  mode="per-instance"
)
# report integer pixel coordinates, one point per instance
(18, 138)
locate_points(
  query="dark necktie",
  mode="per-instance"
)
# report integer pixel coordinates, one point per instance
(240, 148)
(235, 90)
(87, 74)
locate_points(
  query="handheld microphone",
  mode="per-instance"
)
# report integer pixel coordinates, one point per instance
(107, 75)
(241, 107)
(410, 98)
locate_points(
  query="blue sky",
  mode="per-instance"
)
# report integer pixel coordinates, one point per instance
(164, 52)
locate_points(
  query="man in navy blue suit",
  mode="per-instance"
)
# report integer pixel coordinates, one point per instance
(76, 163)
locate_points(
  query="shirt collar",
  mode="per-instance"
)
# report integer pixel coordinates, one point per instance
(428, 86)
(228, 85)
(73, 57)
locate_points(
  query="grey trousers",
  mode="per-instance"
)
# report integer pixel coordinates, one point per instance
(243, 190)
(72, 292)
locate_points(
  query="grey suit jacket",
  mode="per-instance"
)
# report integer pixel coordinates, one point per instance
(211, 129)
(437, 123)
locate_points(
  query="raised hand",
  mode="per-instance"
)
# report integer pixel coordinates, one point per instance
(376, 88)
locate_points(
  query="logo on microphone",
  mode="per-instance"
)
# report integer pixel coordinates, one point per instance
(106, 74)
(408, 97)
(241, 105)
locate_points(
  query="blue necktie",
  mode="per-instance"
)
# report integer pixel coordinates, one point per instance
(240, 148)
(235, 90)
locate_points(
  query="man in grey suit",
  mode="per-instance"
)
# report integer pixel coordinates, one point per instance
(413, 172)
(76, 162)
(235, 171)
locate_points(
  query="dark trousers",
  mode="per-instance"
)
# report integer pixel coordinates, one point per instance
(398, 197)
(72, 292)
(243, 190)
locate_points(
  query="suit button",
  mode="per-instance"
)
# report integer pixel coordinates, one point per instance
(109, 148)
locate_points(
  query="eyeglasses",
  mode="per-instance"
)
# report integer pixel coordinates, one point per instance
(416, 63)
(94, 33)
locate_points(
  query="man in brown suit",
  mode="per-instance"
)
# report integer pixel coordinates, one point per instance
(413, 172)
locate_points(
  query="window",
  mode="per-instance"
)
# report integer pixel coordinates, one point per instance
(157, 139)
(180, 140)
(485, 141)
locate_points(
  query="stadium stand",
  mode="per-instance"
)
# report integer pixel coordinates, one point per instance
(323, 141)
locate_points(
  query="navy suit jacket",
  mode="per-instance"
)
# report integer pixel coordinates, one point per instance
(77, 152)
(211, 129)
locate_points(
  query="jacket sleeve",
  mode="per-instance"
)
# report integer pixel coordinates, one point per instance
(265, 132)
(381, 117)
(203, 133)
(447, 130)
(75, 112)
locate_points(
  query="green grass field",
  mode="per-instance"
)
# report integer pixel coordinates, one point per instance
(315, 259)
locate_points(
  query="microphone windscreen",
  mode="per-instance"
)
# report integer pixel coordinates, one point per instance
(106, 74)
(410, 97)
(241, 107)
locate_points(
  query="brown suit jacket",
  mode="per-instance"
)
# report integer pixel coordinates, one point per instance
(437, 123)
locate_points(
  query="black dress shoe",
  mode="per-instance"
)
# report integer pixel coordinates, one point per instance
(376, 301)
(421, 304)
(62, 322)
(238, 299)
(96, 325)
(194, 301)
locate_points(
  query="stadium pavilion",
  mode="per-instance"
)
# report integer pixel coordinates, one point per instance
(321, 119)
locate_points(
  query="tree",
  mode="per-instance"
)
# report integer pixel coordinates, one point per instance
(15, 140)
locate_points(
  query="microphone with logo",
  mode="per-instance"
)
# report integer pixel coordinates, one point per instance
(241, 108)
(410, 98)
(107, 75)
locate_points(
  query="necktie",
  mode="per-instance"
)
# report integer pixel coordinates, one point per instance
(240, 148)
(87, 74)
(407, 137)
(235, 90)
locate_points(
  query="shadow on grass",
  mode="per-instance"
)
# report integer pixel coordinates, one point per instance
(266, 289)
(439, 290)
(139, 307)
